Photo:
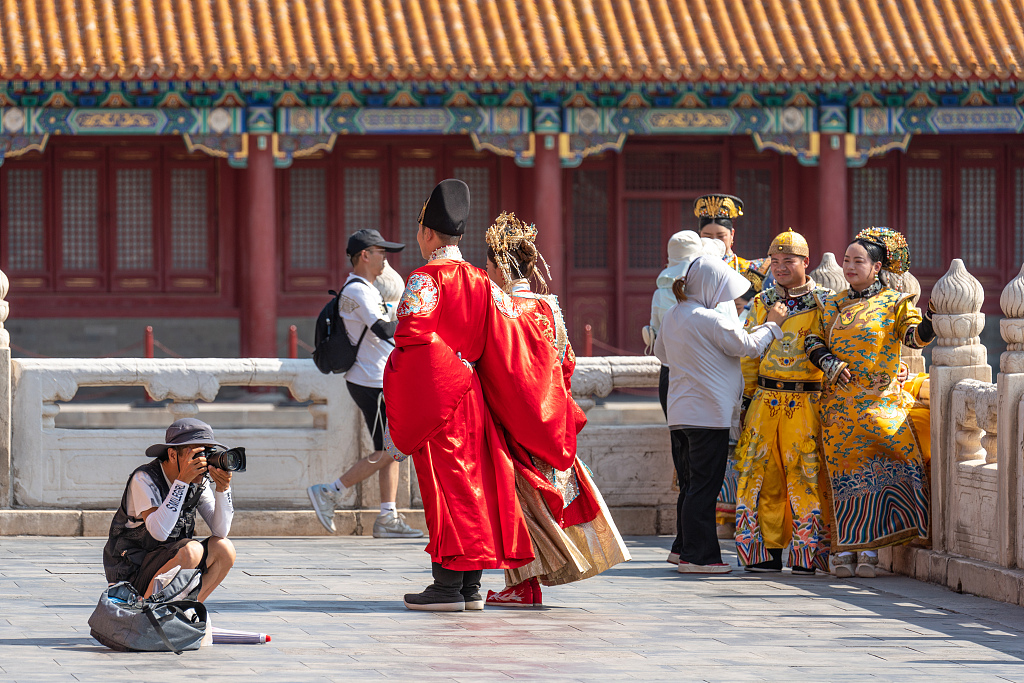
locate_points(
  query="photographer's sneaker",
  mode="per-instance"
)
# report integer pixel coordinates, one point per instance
(392, 525)
(324, 498)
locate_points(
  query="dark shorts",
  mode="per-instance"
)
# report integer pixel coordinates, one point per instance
(156, 559)
(369, 399)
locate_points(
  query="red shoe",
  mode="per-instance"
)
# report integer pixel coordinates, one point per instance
(519, 595)
(538, 599)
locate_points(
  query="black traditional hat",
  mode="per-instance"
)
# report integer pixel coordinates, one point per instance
(447, 208)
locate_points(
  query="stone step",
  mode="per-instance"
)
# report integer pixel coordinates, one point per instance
(37, 522)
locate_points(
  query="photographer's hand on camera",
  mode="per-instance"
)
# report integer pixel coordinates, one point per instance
(222, 478)
(192, 466)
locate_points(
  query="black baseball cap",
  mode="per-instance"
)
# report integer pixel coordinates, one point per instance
(366, 238)
(183, 432)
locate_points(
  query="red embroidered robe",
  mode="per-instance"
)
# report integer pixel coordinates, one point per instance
(442, 412)
(568, 495)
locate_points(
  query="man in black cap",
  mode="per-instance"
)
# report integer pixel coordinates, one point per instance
(461, 365)
(152, 530)
(363, 310)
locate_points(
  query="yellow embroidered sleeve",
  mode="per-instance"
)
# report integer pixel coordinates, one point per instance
(751, 366)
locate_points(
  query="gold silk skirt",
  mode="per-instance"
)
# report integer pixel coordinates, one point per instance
(566, 555)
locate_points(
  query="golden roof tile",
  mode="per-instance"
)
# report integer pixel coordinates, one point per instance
(513, 39)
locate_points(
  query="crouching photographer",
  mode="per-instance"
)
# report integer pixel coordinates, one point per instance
(152, 531)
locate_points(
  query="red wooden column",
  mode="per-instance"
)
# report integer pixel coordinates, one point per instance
(548, 210)
(833, 210)
(258, 328)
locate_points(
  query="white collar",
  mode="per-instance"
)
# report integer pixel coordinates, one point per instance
(449, 251)
(520, 286)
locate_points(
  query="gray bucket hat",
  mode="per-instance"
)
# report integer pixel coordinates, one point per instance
(184, 432)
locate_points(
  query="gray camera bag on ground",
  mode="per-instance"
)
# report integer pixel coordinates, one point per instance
(171, 620)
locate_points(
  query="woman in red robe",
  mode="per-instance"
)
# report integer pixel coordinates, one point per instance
(572, 531)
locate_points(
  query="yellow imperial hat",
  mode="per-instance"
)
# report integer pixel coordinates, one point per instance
(789, 242)
(718, 206)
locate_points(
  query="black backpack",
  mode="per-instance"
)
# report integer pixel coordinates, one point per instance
(333, 351)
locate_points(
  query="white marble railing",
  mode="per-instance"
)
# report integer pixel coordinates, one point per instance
(54, 467)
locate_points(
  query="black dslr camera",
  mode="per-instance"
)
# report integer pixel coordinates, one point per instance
(229, 459)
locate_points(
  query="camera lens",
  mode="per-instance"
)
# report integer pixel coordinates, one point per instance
(229, 459)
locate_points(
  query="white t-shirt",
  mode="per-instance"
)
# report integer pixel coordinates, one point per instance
(143, 494)
(360, 306)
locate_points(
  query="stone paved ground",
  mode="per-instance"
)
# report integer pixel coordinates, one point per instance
(333, 607)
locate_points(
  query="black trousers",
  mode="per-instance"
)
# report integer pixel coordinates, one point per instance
(663, 389)
(676, 441)
(700, 459)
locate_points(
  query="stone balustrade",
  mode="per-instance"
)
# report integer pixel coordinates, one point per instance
(85, 468)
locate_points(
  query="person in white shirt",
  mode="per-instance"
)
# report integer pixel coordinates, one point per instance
(152, 529)
(702, 348)
(370, 325)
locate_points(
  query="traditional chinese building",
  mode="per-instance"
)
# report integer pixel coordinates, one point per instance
(197, 165)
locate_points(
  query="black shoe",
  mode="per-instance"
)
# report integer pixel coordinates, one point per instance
(471, 589)
(803, 571)
(772, 565)
(444, 595)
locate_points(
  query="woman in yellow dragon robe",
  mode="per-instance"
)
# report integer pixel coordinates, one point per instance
(879, 486)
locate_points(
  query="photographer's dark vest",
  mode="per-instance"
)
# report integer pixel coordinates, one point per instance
(127, 546)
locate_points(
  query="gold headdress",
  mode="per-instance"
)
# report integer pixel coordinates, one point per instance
(789, 242)
(718, 206)
(506, 235)
(897, 253)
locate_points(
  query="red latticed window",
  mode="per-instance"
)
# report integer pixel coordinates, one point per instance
(362, 198)
(754, 228)
(869, 198)
(590, 214)
(978, 217)
(673, 171)
(308, 213)
(133, 205)
(644, 229)
(189, 222)
(79, 227)
(474, 244)
(924, 204)
(25, 219)
(414, 186)
(1018, 215)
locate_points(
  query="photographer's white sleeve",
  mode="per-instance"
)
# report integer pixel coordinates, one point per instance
(217, 512)
(161, 522)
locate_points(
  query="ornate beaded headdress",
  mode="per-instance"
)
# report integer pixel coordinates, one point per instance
(718, 206)
(507, 233)
(897, 253)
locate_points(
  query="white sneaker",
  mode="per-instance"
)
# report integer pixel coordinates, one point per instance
(673, 558)
(324, 498)
(392, 525)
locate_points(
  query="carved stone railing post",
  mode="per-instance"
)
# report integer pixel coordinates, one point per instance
(5, 398)
(1011, 389)
(829, 273)
(958, 354)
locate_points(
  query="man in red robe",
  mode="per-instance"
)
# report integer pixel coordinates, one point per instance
(461, 364)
